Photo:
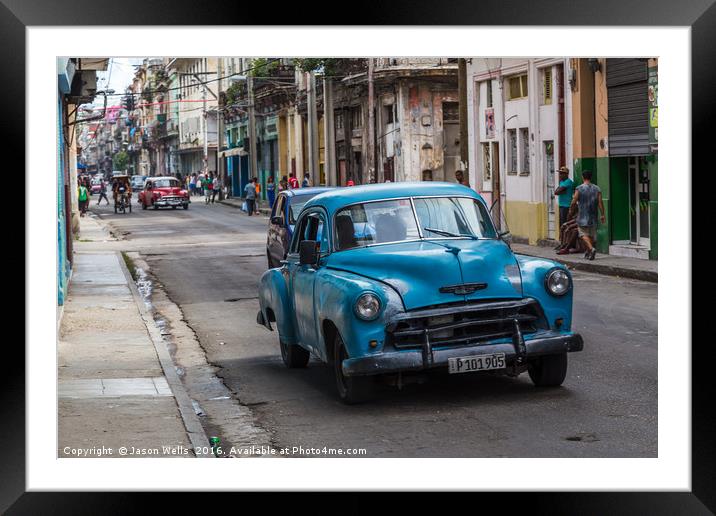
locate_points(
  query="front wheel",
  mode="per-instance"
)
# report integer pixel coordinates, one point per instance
(351, 389)
(549, 370)
(295, 357)
(144, 206)
(186, 206)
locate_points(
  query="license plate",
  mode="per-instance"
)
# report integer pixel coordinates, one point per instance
(476, 363)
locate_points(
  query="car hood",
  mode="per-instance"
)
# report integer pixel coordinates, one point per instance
(419, 270)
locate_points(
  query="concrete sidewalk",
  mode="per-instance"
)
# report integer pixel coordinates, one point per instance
(237, 202)
(646, 270)
(115, 383)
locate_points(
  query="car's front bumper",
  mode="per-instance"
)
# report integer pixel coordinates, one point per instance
(171, 202)
(545, 343)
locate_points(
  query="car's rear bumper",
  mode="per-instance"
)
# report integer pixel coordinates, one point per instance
(548, 343)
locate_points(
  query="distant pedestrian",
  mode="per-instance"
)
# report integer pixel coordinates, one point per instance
(102, 192)
(82, 198)
(270, 191)
(564, 193)
(250, 195)
(258, 195)
(215, 187)
(586, 199)
(306, 180)
(208, 184)
(192, 185)
(460, 178)
(283, 184)
(292, 181)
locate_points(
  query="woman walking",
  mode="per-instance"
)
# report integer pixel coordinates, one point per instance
(271, 191)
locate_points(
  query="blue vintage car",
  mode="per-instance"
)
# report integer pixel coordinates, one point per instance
(389, 279)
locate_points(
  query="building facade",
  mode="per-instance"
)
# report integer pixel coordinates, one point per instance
(519, 132)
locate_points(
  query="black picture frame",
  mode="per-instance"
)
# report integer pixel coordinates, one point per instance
(16, 15)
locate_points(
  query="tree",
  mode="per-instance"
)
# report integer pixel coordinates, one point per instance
(120, 160)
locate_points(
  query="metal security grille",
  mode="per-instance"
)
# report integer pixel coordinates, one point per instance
(628, 107)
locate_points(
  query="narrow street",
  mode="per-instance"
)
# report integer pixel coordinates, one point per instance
(208, 261)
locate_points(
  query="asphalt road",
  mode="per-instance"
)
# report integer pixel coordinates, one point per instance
(209, 260)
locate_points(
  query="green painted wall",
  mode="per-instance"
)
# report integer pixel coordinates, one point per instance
(602, 180)
(653, 165)
(619, 192)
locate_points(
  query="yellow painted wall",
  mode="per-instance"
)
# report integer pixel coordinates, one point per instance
(527, 220)
(600, 110)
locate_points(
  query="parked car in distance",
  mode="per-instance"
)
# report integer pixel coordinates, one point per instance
(137, 182)
(430, 285)
(286, 207)
(163, 192)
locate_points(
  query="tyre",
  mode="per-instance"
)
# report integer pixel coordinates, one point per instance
(351, 389)
(186, 206)
(549, 370)
(115, 208)
(174, 207)
(295, 357)
(129, 205)
(144, 206)
(154, 205)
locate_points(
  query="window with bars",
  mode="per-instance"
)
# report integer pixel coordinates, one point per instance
(357, 117)
(525, 141)
(512, 149)
(517, 87)
(547, 85)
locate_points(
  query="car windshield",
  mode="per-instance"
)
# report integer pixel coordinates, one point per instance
(379, 222)
(166, 183)
(296, 205)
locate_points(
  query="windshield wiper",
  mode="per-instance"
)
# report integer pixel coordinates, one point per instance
(449, 234)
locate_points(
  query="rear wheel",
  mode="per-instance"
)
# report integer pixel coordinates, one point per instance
(549, 370)
(351, 389)
(186, 206)
(294, 356)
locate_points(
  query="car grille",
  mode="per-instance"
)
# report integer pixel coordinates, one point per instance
(465, 324)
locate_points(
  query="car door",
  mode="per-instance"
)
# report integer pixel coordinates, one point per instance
(277, 241)
(311, 226)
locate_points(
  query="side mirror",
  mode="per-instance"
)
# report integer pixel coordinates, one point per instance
(308, 252)
(277, 220)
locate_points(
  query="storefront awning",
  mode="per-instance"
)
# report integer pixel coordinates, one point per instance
(237, 151)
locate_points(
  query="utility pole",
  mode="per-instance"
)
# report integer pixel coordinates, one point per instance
(252, 127)
(371, 124)
(206, 133)
(462, 94)
(329, 133)
(220, 133)
(312, 129)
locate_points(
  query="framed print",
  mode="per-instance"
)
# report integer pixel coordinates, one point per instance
(426, 248)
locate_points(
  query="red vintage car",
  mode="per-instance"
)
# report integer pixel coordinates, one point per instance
(163, 191)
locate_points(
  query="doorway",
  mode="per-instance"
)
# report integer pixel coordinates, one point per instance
(639, 216)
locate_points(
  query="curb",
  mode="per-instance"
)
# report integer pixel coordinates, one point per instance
(609, 270)
(194, 429)
(262, 211)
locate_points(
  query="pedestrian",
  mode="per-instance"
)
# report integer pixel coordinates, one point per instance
(258, 196)
(250, 195)
(350, 181)
(215, 188)
(306, 180)
(587, 198)
(270, 190)
(564, 193)
(82, 198)
(460, 178)
(200, 184)
(208, 185)
(292, 181)
(192, 185)
(283, 184)
(102, 192)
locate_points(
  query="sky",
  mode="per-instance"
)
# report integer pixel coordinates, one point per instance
(118, 76)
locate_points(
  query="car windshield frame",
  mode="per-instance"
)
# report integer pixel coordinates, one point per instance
(421, 232)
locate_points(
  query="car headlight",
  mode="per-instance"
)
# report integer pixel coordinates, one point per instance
(367, 306)
(557, 282)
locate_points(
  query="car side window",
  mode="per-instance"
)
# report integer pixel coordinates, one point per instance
(278, 207)
(312, 226)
